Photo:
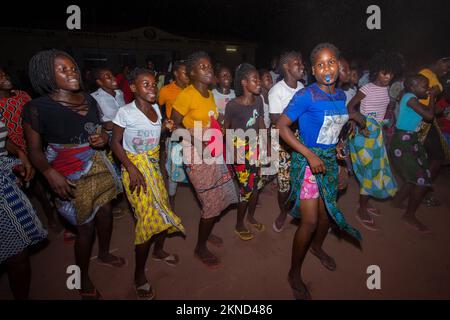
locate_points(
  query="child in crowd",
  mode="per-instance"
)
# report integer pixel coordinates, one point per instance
(246, 112)
(135, 142)
(320, 112)
(223, 92)
(368, 152)
(407, 153)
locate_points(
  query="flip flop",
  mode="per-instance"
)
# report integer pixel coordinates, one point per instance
(92, 294)
(145, 292)
(368, 224)
(211, 263)
(244, 235)
(274, 227)
(171, 260)
(258, 226)
(118, 262)
(374, 211)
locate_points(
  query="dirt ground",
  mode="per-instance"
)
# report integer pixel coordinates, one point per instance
(413, 266)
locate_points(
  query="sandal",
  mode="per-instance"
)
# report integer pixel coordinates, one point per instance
(274, 227)
(368, 224)
(171, 260)
(258, 226)
(118, 262)
(374, 211)
(244, 235)
(145, 292)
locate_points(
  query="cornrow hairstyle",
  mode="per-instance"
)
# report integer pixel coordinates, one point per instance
(136, 72)
(321, 46)
(193, 59)
(412, 79)
(285, 58)
(383, 61)
(41, 70)
(242, 72)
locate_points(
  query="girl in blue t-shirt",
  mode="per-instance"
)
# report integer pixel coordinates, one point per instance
(320, 112)
(408, 153)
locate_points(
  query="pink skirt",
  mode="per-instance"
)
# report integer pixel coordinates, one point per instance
(309, 190)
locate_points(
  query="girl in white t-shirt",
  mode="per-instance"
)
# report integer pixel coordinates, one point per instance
(135, 142)
(223, 93)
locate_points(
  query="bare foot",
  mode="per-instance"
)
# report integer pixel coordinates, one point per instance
(112, 260)
(397, 205)
(327, 261)
(215, 240)
(412, 222)
(207, 258)
(299, 288)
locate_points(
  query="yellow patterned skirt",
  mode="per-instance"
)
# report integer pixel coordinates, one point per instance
(151, 208)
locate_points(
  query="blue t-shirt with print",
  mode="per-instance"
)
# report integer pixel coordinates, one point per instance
(320, 115)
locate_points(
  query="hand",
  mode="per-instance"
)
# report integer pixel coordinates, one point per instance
(137, 180)
(60, 184)
(316, 164)
(351, 128)
(169, 125)
(365, 132)
(340, 155)
(361, 120)
(434, 91)
(26, 170)
(98, 140)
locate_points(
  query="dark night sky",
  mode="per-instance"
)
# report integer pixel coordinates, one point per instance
(418, 29)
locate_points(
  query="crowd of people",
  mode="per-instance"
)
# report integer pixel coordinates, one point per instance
(82, 145)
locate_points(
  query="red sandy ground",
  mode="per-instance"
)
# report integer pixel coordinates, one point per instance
(413, 266)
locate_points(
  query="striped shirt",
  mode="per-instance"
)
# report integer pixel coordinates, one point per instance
(3, 135)
(375, 102)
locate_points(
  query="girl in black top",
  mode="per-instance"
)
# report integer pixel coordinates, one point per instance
(66, 118)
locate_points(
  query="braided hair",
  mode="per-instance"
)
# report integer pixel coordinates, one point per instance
(285, 58)
(193, 59)
(242, 72)
(41, 70)
(321, 46)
